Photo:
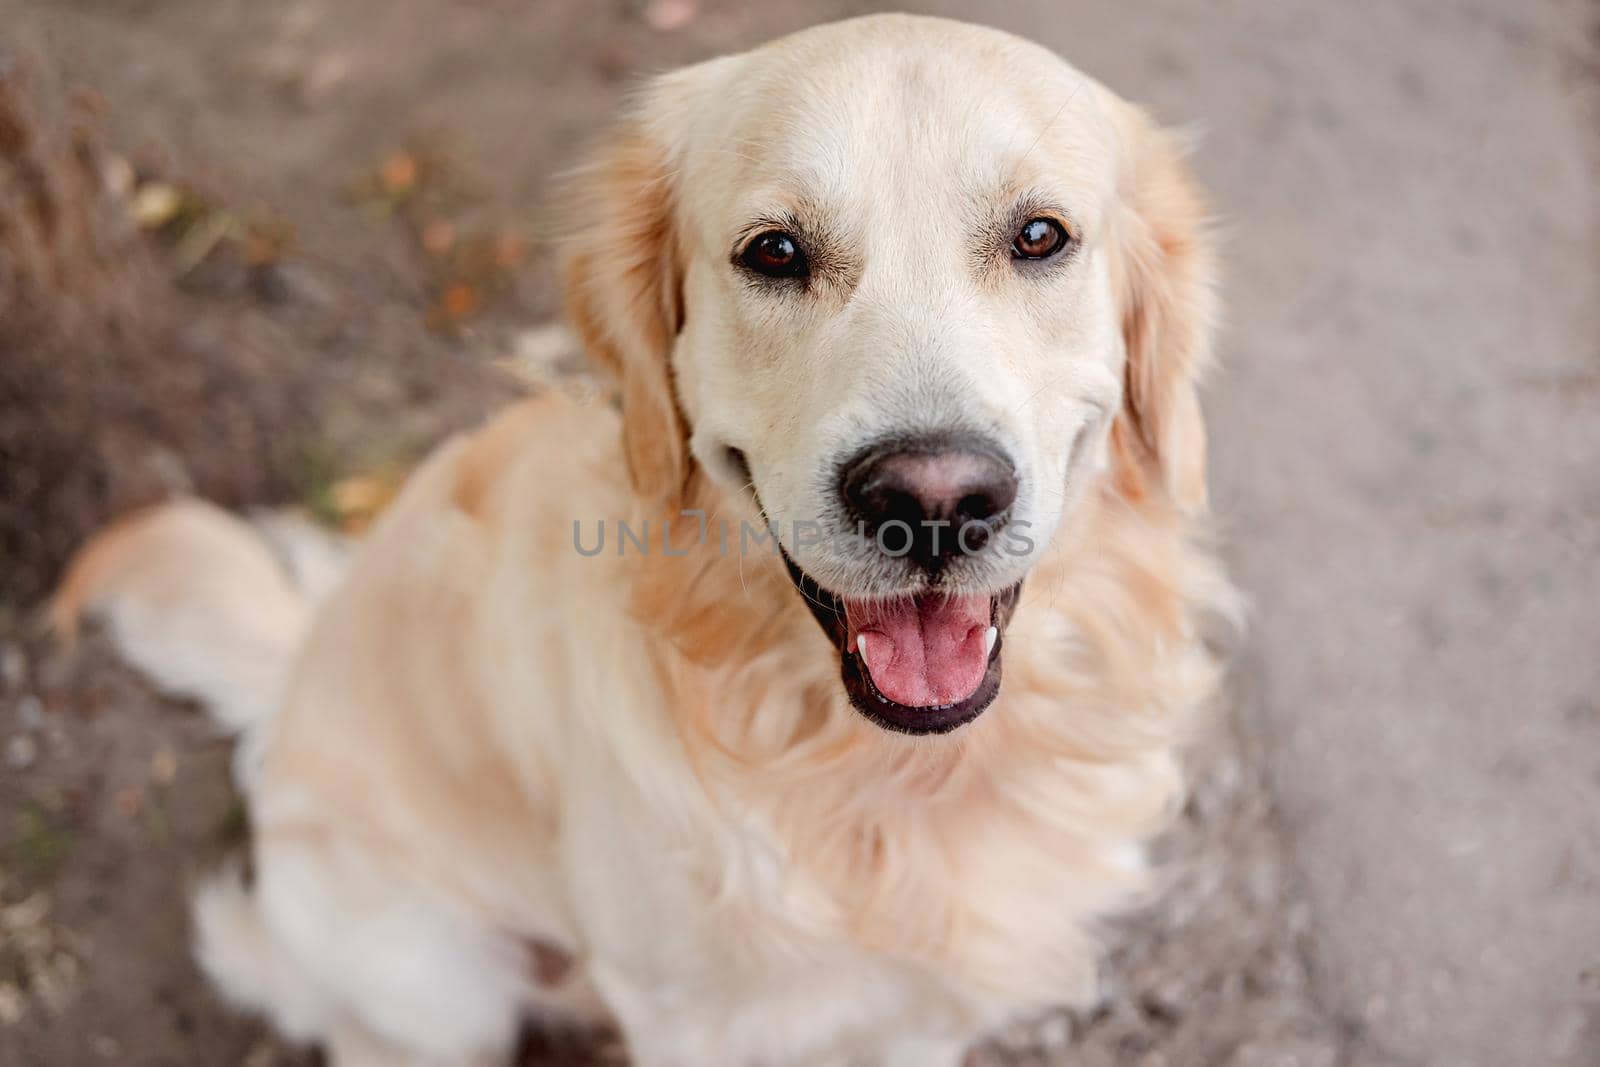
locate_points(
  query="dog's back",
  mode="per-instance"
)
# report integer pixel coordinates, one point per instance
(350, 689)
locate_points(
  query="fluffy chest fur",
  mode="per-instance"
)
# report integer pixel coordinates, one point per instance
(980, 855)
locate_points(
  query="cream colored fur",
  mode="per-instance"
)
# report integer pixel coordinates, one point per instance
(499, 779)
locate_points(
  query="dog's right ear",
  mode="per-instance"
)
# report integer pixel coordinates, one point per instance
(624, 275)
(1162, 269)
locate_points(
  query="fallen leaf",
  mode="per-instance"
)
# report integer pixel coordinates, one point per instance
(459, 300)
(358, 499)
(155, 204)
(129, 801)
(399, 173)
(359, 494)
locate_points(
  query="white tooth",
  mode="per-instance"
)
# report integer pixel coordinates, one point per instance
(989, 639)
(861, 647)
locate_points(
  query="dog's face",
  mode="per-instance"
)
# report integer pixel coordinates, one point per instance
(896, 281)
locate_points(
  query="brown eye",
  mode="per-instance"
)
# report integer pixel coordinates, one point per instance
(775, 254)
(1039, 239)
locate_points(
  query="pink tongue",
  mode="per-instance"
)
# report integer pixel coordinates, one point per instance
(923, 652)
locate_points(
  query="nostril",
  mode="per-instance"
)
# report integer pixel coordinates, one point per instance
(902, 507)
(978, 507)
(929, 485)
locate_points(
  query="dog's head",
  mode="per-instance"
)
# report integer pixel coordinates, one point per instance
(911, 288)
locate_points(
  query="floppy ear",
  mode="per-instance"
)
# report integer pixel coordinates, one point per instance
(623, 277)
(1162, 274)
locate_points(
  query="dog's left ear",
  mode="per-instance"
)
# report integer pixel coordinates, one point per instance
(623, 275)
(1162, 273)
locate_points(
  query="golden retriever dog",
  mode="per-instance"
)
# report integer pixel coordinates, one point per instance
(808, 705)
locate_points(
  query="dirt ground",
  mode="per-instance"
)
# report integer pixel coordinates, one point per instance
(316, 234)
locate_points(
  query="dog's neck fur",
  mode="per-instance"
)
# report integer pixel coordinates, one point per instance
(898, 837)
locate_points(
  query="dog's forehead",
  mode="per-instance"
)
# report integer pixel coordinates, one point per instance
(961, 112)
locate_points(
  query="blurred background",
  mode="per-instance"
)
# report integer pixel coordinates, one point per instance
(271, 251)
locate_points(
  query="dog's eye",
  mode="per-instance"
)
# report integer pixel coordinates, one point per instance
(775, 254)
(1039, 239)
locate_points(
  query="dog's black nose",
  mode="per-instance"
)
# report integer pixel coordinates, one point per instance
(930, 499)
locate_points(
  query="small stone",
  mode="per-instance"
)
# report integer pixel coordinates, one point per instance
(1291, 1053)
(164, 767)
(323, 79)
(30, 712)
(1055, 1032)
(13, 667)
(26, 915)
(11, 1004)
(285, 281)
(166, 468)
(21, 752)
(1167, 1001)
(543, 354)
(117, 176)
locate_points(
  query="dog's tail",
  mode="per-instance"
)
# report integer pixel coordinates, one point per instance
(206, 604)
(213, 607)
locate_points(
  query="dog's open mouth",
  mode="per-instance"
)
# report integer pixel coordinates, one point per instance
(924, 664)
